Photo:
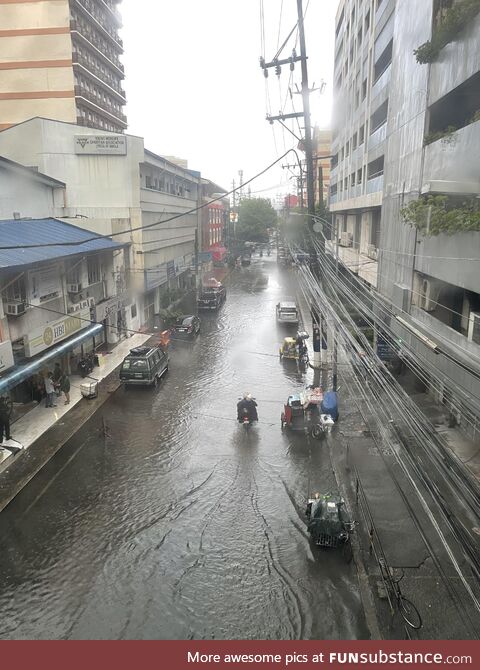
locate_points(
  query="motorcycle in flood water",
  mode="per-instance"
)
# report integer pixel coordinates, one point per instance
(247, 411)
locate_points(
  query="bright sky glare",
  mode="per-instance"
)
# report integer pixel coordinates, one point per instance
(195, 89)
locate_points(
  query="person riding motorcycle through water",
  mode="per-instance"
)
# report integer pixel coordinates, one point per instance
(247, 404)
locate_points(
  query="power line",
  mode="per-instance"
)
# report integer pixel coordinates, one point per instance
(156, 223)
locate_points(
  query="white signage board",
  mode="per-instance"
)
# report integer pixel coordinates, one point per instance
(45, 284)
(101, 145)
(49, 334)
(6, 356)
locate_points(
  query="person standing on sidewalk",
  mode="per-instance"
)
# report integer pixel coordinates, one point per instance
(57, 378)
(65, 387)
(4, 419)
(49, 390)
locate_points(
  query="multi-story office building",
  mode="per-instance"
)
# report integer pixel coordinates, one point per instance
(60, 59)
(405, 182)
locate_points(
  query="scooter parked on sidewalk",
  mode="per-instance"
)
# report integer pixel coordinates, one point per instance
(86, 365)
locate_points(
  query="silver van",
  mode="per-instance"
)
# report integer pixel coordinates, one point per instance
(287, 312)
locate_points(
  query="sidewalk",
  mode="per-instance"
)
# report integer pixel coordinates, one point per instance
(31, 426)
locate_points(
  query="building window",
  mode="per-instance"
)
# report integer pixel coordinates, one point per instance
(354, 141)
(379, 117)
(133, 310)
(359, 176)
(364, 89)
(345, 184)
(347, 149)
(383, 61)
(16, 291)
(361, 136)
(367, 21)
(375, 168)
(352, 179)
(93, 270)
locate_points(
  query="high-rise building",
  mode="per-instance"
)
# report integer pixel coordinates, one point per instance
(405, 182)
(60, 59)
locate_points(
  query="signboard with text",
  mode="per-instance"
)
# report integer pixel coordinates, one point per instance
(55, 331)
(101, 145)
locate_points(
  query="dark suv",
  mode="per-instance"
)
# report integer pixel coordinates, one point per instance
(186, 326)
(144, 366)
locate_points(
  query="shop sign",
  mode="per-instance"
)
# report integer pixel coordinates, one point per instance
(55, 331)
(170, 269)
(79, 306)
(384, 350)
(111, 306)
(101, 145)
(6, 356)
(155, 276)
(44, 284)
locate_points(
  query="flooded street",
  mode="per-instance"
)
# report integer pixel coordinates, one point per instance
(178, 523)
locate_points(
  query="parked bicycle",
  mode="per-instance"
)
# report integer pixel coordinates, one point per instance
(407, 609)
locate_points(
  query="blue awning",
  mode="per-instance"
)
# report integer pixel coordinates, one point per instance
(25, 371)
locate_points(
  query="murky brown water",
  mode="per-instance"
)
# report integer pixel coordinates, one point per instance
(179, 524)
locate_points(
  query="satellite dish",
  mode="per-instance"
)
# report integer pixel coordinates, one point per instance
(317, 227)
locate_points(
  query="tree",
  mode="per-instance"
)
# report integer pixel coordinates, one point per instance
(255, 215)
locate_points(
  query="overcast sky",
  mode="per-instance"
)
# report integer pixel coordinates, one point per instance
(195, 88)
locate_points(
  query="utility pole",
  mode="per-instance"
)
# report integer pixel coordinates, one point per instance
(240, 189)
(306, 115)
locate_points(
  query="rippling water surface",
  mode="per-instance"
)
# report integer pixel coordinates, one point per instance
(179, 524)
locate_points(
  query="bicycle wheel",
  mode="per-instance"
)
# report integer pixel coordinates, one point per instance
(409, 613)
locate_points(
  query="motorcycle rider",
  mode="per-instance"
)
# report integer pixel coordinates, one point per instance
(247, 405)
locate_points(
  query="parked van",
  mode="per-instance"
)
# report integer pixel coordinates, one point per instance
(144, 366)
(287, 312)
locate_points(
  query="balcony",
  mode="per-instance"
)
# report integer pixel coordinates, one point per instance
(97, 76)
(375, 183)
(377, 137)
(455, 160)
(382, 82)
(95, 45)
(98, 20)
(100, 106)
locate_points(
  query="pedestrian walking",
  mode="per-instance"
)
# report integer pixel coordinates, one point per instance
(49, 390)
(65, 387)
(4, 419)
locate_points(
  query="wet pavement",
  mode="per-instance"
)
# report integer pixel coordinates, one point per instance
(163, 518)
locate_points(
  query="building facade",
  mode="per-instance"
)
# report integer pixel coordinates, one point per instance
(58, 302)
(114, 186)
(322, 145)
(61, 59)
(407, 141)
(214, 218)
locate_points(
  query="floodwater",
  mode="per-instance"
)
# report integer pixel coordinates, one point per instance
(178, 523)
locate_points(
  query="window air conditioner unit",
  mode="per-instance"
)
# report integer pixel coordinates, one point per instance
(15, 308)
(427, 301)
(372, 252)
(474, 327)
(74, 288)
(346, 239)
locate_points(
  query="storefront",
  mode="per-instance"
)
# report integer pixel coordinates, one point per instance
(112, 315)
(22, 381)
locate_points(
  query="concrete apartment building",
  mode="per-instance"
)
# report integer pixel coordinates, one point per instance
(114, 186)
(60, 59)
(406, 130)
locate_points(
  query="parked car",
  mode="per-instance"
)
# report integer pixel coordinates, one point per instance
(287, 312)
(144, 366)
(186, 326)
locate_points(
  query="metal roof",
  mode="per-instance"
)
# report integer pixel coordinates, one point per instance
(67, 240)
